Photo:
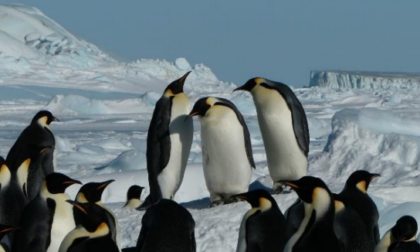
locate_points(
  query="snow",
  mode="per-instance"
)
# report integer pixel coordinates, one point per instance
(365, 80)
(105, 107)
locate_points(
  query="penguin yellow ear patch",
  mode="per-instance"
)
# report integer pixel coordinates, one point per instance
(80, 208)
(168, 92)
(361, 186)
(339, 206)
(81, 198)
(265, 204)
(211, 101)
(259, 80)
(3, 169)
(27, 163)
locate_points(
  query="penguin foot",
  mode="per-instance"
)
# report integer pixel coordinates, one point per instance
(217, 203)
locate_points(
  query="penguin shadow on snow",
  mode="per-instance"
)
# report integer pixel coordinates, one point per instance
(206, 202)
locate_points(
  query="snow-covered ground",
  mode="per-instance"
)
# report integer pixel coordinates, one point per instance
(105, 107)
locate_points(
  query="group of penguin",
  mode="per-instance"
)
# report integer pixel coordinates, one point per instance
(37, 215)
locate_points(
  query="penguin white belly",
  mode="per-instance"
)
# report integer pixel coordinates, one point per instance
(132, 203)
(181, 135)
(63, 221)
(285, 159)
(226, 166)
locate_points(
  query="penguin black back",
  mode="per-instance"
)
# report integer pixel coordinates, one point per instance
(167, 227)
(355, 196)
(316, 232)
(263, 227)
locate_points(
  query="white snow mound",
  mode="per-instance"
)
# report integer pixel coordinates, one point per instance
(374, 140)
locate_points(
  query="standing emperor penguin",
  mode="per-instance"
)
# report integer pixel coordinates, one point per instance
(263, 227)
(47, 219)
(401, 237)
(92, 193)
(37, 134)
(350, 229)
(4, 230)
(355, 196)
(166, 227)
(284, 129)
(226, 148)
(133, 197)
(316, 231)
(13, 193)
(92, 233)
(169, 142)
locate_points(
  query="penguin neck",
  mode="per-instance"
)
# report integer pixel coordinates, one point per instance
(59, 198)
(385, 243)
(266, 100)
(80, 231)
(43, 122)
(5, 176)
(318, 215)
(132, 203)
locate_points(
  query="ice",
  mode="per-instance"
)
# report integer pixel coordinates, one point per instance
(365, 80)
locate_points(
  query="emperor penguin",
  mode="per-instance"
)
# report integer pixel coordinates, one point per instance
(226, 148)
(169, 142)
(4, 230)
(39, 134)
(350, 229)
(13, 193)
(166, 226)
(284, 129)
(48, 218)
(133, 197)
(92, 193)
(92, 233)
(263, 227)
(355, 196)
(316, 231)
(401, 237)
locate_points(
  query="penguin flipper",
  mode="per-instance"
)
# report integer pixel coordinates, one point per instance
(145, 205)
(158, 145)
(300, 122)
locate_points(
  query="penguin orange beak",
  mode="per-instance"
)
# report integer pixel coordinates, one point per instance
(292, 184)
(104, 184)
(45, 149)
(55, 119)
(8, 229)
(72, 182)
(78, 206)
(374, 175)
(183, 78)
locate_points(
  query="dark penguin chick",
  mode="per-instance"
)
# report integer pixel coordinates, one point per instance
(294, 216)
(350, 229)
(133, 197)
(92, 233)
(39, 134)
(355, 196)
(401, 237)
(226, 148)
(169, 140)
(166, 227)
(13, 194)
(284, 129)
(316, 232)
(263, 227)
(37, 173)
(4, 230)
(92, 193)
(48, 218)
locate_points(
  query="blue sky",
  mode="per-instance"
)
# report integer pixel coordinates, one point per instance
(240, 39)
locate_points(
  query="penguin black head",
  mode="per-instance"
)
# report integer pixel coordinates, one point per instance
(58, 182)
(251, 83)
(257, 198)
(307, 187)
(44, 118)
(176, 86)
(404, 230)
(4, 230)
(361, 180)
(92, 192)
(200, 107)
(91, 216)
(134, 192)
